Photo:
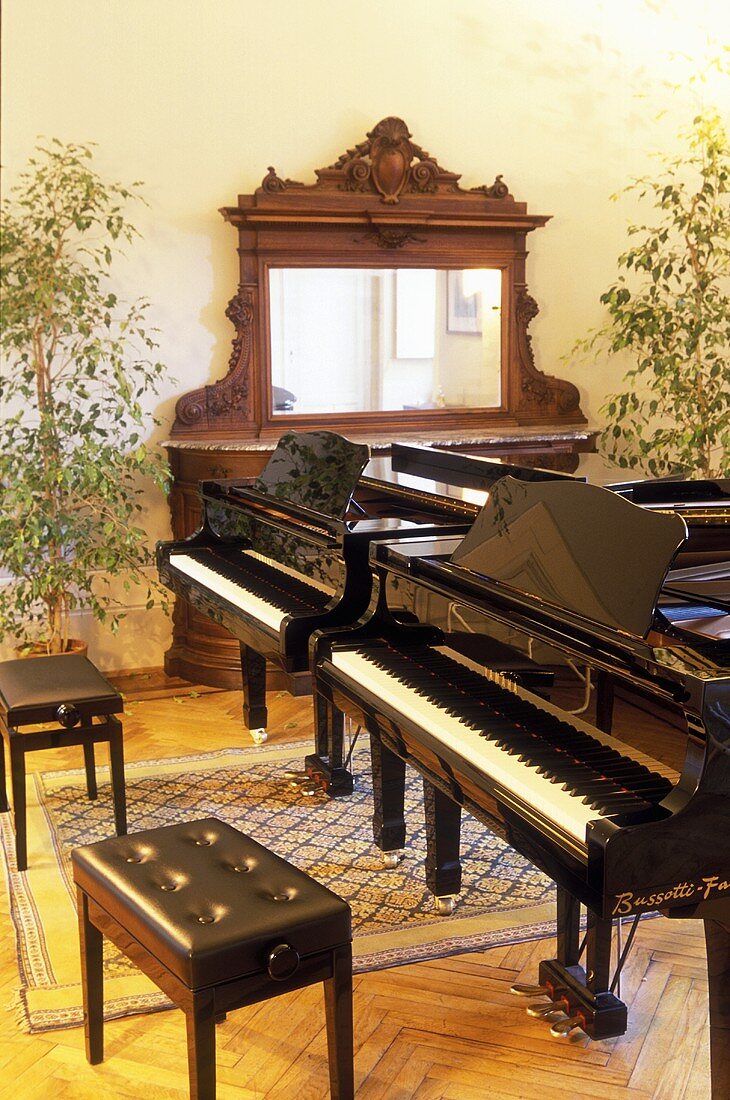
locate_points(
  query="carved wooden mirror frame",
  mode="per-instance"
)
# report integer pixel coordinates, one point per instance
(384, 203)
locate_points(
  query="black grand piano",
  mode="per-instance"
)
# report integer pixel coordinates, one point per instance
(615, 829)
(286, 553)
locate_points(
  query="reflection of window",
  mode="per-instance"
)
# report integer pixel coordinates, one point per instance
(363, 339)
(415, 313)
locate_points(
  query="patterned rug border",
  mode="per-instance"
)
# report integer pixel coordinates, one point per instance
(469, 934)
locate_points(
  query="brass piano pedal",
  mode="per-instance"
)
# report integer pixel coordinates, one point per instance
(521, 990)
(390, 860)
(445, 905)
(539, 1011)
(298, 779)
(309, 790)
(258, 736)
(563, 1028)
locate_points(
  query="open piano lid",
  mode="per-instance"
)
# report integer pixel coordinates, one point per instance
(576, 547)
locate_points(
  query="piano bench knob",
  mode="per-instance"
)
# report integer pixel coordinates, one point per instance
(68, 715)
(258, 736)
(445, 905)
(390, 860)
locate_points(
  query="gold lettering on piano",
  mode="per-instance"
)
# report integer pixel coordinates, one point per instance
(703, 889)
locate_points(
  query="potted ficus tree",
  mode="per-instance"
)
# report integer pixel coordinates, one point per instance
(78, 365)
(669, 310)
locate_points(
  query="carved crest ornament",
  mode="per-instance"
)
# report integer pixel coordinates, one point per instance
(386, 194)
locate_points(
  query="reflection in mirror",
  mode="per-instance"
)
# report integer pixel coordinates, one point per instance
(376, 339)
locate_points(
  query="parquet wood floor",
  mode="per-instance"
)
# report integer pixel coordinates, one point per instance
(444, 1030)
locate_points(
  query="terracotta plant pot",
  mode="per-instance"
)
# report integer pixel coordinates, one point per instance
(75, 645)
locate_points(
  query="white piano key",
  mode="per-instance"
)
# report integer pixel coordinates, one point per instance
(235, 594)
(564, 810)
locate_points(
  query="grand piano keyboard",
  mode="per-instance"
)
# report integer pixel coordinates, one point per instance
(559, 775)
(251, 582)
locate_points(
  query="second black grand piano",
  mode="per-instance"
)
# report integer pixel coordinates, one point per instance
(609, 825)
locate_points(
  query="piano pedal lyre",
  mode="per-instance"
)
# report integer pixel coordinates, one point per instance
(601, 1015)
(258, 736)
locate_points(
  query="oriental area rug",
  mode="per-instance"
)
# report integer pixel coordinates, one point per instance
(504, 899)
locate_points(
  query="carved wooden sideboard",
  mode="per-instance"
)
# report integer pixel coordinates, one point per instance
(386, 203)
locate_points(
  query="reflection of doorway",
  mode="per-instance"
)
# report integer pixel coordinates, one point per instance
(464, 309)
(322, 337)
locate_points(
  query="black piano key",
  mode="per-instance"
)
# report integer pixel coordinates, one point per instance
(282, 591)
(601, 776)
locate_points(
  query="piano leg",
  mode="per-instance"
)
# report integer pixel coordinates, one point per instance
(717, 940)
(325, 766)
(253, 675)
(329, 732)
(389, 782)
(443, 835)
(568, 927)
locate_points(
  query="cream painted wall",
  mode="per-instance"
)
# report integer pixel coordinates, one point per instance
(198, 97)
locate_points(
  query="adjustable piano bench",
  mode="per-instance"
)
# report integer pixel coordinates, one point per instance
(217, 922)
(77, 706)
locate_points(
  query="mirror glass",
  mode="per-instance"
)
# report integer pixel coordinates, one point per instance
(377, 339)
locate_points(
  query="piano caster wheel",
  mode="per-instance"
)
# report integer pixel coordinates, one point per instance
(563, 1028)
(389, 860)
(521, 990)
(445, 906)
(258, 736)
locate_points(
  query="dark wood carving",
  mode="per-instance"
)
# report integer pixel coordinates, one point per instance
(539, 391)
(384, 202)
(384, 163)
(227, 401)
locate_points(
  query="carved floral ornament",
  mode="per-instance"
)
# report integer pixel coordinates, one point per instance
(390, 164)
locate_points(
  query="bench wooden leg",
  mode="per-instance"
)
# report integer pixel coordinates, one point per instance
(17, 778)
(338, 1013)
(200, 1025)
(116, 767)
(92, 981)
(90, 768)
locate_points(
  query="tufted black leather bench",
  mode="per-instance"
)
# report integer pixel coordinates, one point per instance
(69, 697)
(217, 922)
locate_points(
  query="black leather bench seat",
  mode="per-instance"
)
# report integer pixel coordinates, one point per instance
(217, 922)
(208, 901)
(32, 689)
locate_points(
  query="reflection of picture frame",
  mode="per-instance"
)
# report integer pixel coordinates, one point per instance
(463, 313)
